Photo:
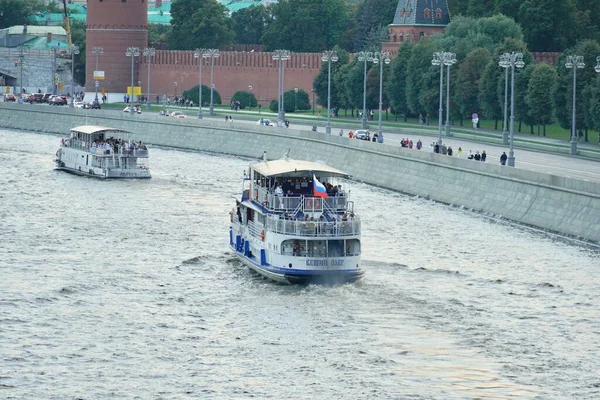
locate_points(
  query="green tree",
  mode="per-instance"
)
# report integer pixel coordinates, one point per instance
(340, 83)
(320, 81)
(199, 24)
(372, 16)
(250, 24)
(422, 81)
(306, 25)
(539, 94)
(396, 82)
(491, 91)
(547, 24)
(522, 111)
(158, 32)
(564, 87)
(468, 78)
(19, 12)
(594, 107)
(78, 38)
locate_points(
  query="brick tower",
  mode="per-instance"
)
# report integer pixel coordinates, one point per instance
(415, 19)
(114, 25)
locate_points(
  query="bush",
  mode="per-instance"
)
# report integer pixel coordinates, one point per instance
(243, 98)
(192, 94)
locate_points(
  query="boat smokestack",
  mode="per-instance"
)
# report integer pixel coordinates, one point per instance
(265, 156)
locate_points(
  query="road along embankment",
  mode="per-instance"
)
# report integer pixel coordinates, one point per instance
(565, 205)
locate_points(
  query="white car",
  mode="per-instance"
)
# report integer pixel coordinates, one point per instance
(132, 109)
(178, 114)
(265, 122)
(362, 134)
(78, 104)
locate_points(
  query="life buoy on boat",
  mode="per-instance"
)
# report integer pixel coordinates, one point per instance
(262, 235)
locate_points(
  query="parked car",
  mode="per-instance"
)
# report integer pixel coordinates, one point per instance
(46, 97)
(362, 134)
(164, 113)
(10, 97)
(178, 114)
(95, 105)
(58, 100)
(265, 122)
(78, 104)
(35, 98)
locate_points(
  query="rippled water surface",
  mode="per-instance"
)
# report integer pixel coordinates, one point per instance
(126, 289)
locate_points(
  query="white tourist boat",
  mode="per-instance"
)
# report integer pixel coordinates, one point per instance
(102, 152)
(294, 224)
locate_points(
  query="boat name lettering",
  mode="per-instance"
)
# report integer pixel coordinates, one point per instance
(127, 174)
(324, 263)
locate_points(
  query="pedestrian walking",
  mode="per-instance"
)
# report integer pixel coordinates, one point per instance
(483, 156)
(503, 158)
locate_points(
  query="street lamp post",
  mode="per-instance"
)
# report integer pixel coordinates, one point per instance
(505, 124)
(97, 51)
(313, 100)
(281, 56)
(148, 53)
(329, 56)
(132, 52)
(175, 85)
(451, 60)
(212, 54)
(574, 62)
(442, 58)
(365, 56)
(512, 60)
(73, 50)
(199, 54)
(381, 58)
(295, 99)
(250, 97)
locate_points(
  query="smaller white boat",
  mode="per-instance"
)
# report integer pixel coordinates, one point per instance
(101, 152)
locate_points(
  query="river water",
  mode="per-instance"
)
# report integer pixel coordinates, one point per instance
(127, 289)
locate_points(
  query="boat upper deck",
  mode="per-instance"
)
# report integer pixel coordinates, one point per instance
(104, 141)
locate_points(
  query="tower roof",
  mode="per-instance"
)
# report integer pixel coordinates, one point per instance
(422, 12)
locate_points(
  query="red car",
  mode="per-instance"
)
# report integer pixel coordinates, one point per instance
(10, 97)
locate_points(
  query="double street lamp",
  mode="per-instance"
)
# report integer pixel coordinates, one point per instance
(512, 60)
(199, 54)
(574, 62)
(381, 58)
(73, 50)
(329, 56)
(97, 51)
(364, 57)
(212, 54)
(132, 52)
(442, 58)
(281, 56)
(451, 61)
(148, 53)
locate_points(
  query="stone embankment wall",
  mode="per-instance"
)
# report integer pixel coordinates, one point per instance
(564, 205)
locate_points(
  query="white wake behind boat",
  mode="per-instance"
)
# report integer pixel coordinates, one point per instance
(294, 224)
(101, 152)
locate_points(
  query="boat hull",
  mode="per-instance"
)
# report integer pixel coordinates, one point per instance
(298, 276)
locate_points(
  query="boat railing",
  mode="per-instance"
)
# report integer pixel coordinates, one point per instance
(293, 202)
(122, 151)
(313, 228)
(255, 229)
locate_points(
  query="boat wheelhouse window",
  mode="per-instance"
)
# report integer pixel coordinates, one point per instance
(321, 248)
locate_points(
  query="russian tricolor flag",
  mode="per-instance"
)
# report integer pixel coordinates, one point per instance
(318, 188)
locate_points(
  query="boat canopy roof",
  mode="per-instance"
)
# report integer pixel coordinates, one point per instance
(289, 167)
(94, 130)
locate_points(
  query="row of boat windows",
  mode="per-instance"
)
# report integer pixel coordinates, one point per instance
(319, 248)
